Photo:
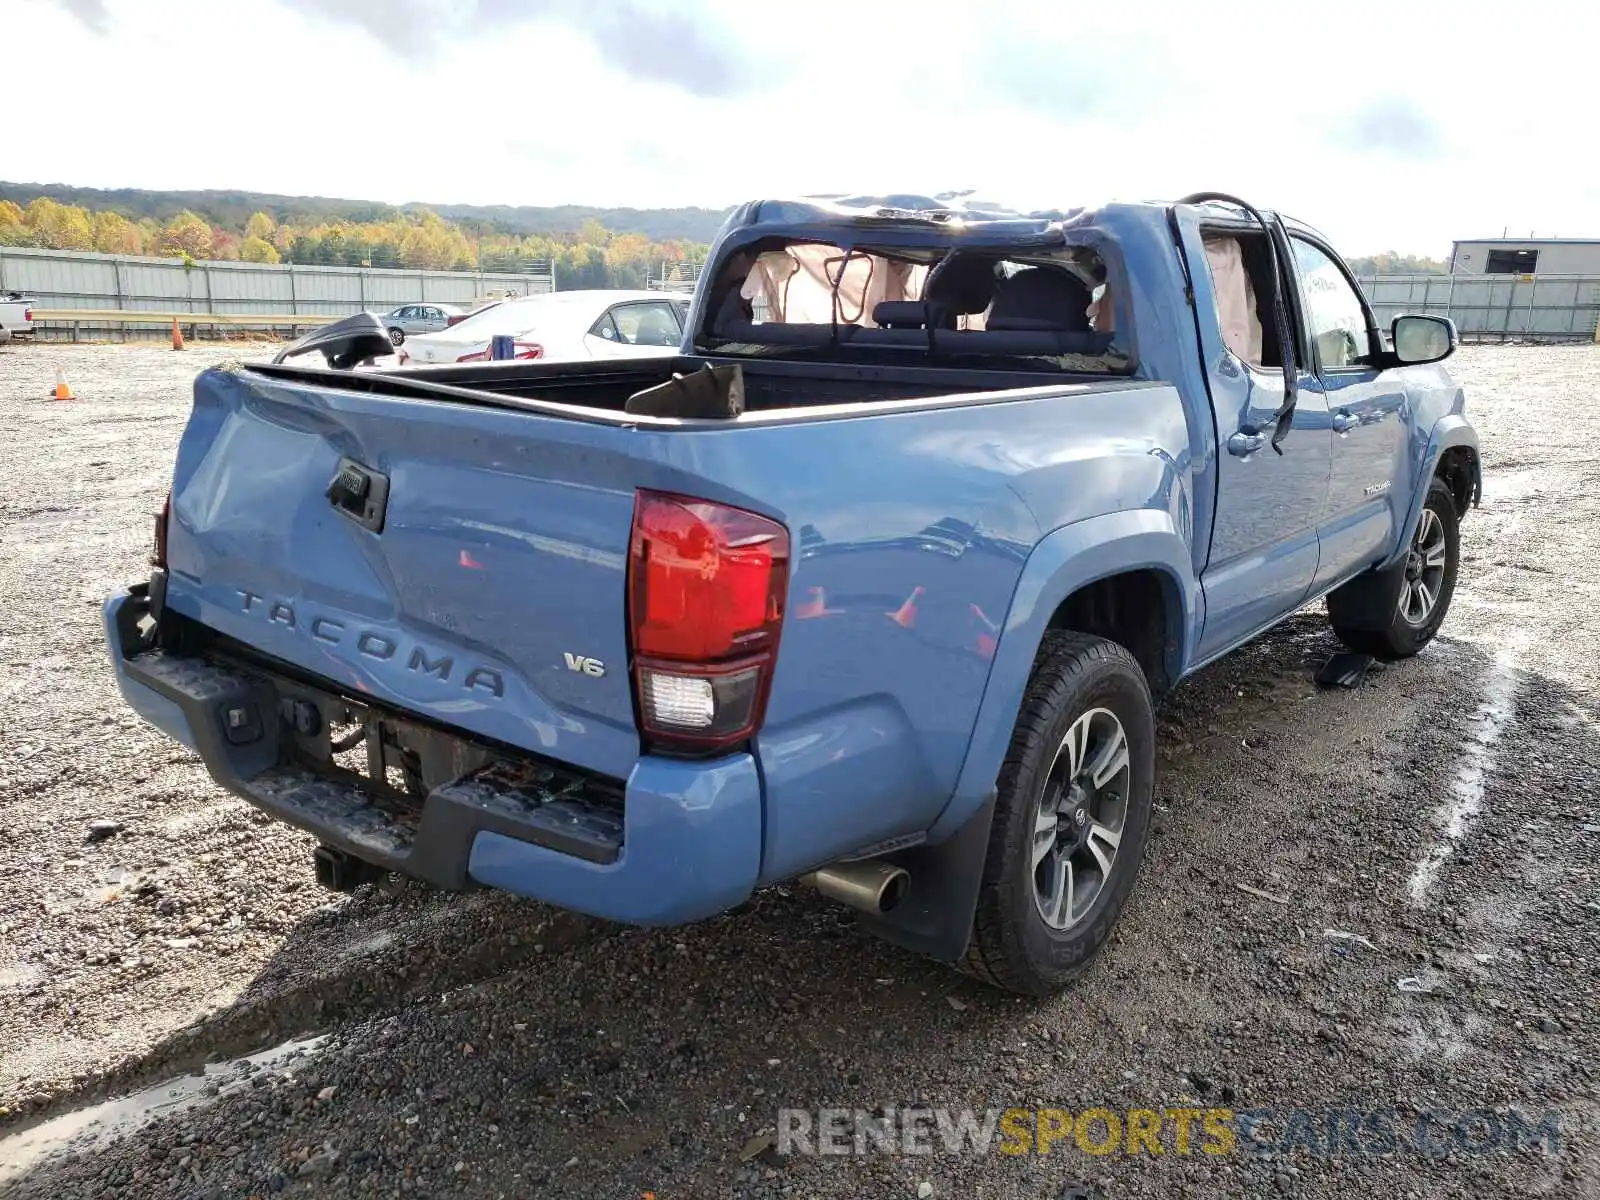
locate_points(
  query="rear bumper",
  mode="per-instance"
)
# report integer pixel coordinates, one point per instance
(686, 845)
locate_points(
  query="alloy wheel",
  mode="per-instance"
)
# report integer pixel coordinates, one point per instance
(1078, 822)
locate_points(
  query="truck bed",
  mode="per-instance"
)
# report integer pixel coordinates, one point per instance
(770, 385)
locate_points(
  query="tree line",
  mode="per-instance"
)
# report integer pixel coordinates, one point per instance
(1391, 262)
(232, 208)
(589, 256)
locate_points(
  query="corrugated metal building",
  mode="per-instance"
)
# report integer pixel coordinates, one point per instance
(1526, 256)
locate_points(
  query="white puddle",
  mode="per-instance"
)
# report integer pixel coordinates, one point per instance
(1478, 760)
(1515, 484)
(1439, 1038)
(94, 1128)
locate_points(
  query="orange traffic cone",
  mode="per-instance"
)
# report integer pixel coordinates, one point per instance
(906, 615)
(177, 335)
(987, 642)
(62, 392)
(817, 606)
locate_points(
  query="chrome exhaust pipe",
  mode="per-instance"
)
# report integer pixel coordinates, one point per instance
(870, 885)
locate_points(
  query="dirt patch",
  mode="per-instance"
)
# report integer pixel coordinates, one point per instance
(479, 1046)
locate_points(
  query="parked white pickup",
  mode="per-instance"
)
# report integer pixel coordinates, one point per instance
(16, 315)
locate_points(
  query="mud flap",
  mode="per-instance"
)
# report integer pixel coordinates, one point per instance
(1347, 669)
(935, 918)
(1369, 600)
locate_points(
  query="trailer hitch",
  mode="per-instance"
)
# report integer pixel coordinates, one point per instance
(339, 871)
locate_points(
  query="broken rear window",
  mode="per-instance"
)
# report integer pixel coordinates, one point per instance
(1048, 309)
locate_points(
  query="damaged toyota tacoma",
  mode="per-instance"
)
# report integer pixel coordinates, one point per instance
(874, 585)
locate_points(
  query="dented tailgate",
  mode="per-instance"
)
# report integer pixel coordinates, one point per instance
(470, 571)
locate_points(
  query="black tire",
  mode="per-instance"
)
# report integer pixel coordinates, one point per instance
(397, 337)
(1012, 945)
(1378, 613)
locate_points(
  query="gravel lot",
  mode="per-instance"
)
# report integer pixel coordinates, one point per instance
(481, 1046)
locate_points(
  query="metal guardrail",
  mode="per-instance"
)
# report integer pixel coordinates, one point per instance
(75, 319)
(119, 316)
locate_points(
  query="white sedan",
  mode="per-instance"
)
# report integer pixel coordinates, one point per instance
(561, 327)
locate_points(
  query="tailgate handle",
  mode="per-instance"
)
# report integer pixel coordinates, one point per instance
(360, 493)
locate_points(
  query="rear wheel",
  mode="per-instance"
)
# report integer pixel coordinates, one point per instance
(1395, 613)
(397, 336)
(1070, 820)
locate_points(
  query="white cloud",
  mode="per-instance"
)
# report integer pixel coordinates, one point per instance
(1388, 126)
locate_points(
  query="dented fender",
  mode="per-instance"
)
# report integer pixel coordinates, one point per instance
(1069, 559)
(1448, 432)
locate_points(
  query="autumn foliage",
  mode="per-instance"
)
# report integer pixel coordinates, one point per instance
(590, 256)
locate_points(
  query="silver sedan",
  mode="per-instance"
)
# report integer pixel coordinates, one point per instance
(417, 318)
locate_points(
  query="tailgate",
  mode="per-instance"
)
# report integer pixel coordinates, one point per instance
(485, 590)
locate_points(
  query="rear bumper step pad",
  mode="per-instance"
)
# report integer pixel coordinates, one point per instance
(678, 841)
(232, 717)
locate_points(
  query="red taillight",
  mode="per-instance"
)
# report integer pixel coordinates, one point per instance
(521, 350)
(706, 588)
(158, 548)
(27, 315)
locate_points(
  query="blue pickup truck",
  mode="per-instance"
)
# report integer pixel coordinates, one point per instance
(874, 586)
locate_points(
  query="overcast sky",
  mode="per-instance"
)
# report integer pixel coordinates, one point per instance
(1392, 124)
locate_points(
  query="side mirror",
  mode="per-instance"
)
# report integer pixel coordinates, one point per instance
(1423, 339)
(344, 343)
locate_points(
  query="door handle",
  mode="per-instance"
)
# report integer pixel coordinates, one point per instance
(1344, 420)
(1242, 444)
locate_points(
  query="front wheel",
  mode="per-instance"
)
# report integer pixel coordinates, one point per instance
(1395, 613)
(1070, 820)
(397, 337)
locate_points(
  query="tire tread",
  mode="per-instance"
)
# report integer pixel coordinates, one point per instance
(1399, 640)
(1064, 662)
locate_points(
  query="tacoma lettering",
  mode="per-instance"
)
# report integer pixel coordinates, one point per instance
(374, 644)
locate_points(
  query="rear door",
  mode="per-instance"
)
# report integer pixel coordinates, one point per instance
(643, 328)
(1264, 544)
(1366, 410)
(602, 339)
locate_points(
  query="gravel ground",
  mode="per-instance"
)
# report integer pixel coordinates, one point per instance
(1447, 814)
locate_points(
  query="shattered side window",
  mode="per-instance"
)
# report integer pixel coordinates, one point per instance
(1057, 309)
(1335, 317)
(1238, 315)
